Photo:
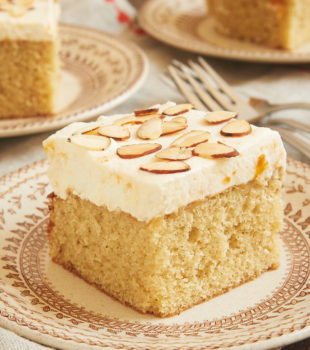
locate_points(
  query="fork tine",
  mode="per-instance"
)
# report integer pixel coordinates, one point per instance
(219, 80)
(210, 103)
(183, 88)
(196, 72)
(218, 96)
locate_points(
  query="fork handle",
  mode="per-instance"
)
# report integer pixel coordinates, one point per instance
(292, 123)
(278, 107)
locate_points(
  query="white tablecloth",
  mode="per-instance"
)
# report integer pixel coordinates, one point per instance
(278, 83)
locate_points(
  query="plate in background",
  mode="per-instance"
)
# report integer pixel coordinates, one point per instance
(184, 24)
(99, 71)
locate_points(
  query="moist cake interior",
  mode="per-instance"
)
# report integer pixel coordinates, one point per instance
(275, 23)
(29, 58)
(176, 261)
(29, 78)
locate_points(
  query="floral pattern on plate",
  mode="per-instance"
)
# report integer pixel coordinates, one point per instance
(98, 72)
(185, 24)
(42, 301)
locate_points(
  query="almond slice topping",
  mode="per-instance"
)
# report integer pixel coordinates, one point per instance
(178, 109)
(140, 120)
(150, 129)
(137, 150)
(91, 142)
(215, 150)
(116, 132)
(218, 117)
(180, 120)
(236, 128)
(87, 130)
(165, 167)
(191, 139)
(172, 127)
(130, 119)
(143, 112)
(174, 153)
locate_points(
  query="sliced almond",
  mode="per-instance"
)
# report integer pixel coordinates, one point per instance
(165, 167)
(91, 142)
(178, 109)
(191, 139)
(92, 132)
(140, 120)
(215, 150)
(180, 120)
(218, 117)
(116, 132)
(88, 130)
(171, 127)
(150, 129)
(129, 119)
(143, 112)
(236, 128)
(137, 150)
(174, 153)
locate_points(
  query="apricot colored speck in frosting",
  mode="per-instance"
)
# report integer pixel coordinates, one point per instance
(261, 165)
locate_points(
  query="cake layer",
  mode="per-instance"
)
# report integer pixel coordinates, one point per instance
(33, 20)
(275, 23)
(118, 184)
(299, 32)
(177, 260)
(29, 76)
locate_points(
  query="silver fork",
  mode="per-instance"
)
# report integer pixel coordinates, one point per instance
(207, 90)
(266, 108)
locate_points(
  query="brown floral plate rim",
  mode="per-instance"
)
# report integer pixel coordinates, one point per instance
(135, 70)
(165, 22)
(110, 332)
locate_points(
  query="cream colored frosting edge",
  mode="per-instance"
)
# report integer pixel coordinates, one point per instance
(39, 24)
(106, 180)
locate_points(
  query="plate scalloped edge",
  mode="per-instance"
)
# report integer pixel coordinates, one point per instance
(182, 24)
(110, 67)
(66, 331)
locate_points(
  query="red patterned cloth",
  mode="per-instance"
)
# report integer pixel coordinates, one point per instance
(123, 17)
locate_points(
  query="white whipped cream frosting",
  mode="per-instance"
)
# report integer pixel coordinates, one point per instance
(38, 23)
(107, 180)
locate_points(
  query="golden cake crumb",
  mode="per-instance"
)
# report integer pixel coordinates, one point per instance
(176, 261)
(275, 23)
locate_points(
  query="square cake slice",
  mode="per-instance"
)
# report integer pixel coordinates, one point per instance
(275, 23)
(166, 207)
(29, 63)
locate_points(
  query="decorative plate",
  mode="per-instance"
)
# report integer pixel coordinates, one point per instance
(185, 24)
(43, 302)
(99, 71)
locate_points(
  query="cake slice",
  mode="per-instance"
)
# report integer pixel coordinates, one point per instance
(166, 207)
(29, 63)
(276, 23)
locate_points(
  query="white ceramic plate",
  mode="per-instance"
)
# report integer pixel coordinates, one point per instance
(43, 302)
(185, 24)
(99, 71)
